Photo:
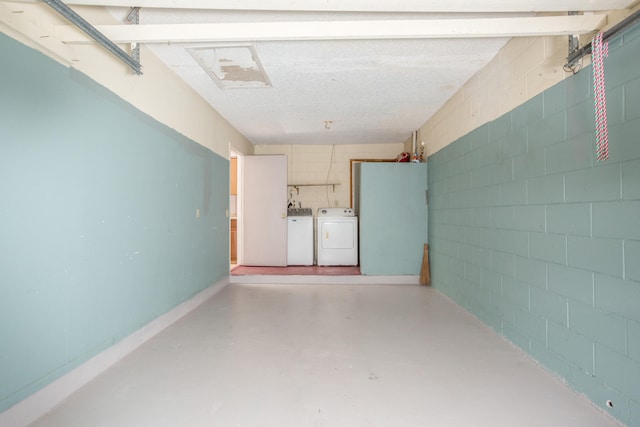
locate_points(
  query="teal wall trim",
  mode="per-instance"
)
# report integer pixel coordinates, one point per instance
(393, 218)
(532, 235)
(99, 232)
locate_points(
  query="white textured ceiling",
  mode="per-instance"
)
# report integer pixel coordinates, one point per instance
(334, 91)
(372, 91)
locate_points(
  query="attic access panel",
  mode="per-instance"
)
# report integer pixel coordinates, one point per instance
(231, 66)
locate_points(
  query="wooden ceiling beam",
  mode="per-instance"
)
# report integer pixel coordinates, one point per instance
(389, 6)
(341, 30)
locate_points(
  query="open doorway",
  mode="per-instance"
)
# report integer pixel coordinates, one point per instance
(235, 208)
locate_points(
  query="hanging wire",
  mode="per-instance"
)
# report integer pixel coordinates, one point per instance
(333, 149)
(574, 67)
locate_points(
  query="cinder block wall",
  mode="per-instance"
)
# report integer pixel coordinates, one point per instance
(530, 233)
(522, 69)
(108, 219)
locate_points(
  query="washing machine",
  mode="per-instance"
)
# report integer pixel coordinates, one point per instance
(337, 236)
(300, 236)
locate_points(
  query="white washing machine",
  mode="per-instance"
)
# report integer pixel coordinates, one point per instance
(300, 236)
(337, 236)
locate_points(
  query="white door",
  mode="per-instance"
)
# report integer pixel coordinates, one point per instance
(264, 210)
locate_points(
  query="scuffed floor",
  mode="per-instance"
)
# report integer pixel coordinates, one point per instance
(326, 355)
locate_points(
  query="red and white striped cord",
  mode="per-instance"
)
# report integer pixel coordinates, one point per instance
(600, 50)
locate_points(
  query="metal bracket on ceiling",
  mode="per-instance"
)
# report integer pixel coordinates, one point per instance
(92, 32)
(133, 17)
(629, 21)
(574, 45)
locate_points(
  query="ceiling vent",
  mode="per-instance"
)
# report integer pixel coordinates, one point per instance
(231, 66)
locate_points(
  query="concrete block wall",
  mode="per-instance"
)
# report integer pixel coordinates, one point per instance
(534, 236)
(309, 164)
(521, 70)
(158, 92)
(524, 68)
(108, 220)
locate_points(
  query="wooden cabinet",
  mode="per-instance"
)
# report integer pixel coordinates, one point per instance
(233, 242)
(234, 176)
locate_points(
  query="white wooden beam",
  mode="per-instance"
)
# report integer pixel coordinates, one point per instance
(444, 6)
(339, 30)
(31, 32)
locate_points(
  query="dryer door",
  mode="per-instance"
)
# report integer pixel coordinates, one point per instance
(338, 241)
(337, 234)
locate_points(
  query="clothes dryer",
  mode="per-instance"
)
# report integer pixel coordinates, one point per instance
(337, 236)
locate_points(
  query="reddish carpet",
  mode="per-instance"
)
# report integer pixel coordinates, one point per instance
(245, 270)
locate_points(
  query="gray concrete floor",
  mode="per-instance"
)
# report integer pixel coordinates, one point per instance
(326, 355)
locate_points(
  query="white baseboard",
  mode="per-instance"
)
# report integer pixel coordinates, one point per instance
(33, 407)
(327, 280)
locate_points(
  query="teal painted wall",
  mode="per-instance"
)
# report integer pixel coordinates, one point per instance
(98, 227)
(393, 218)
(541, 242)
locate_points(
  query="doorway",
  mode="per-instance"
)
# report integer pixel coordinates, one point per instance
(235, 209)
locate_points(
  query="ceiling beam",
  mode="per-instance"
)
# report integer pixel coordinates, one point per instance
(435, 6)
(342, 30)
(27, 29)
